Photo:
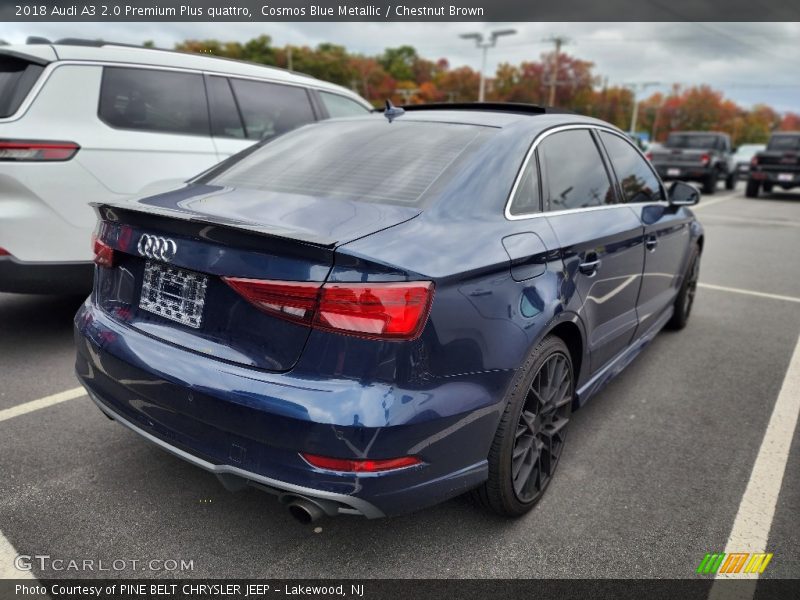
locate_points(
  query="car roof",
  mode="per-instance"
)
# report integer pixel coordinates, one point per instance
(107, 52)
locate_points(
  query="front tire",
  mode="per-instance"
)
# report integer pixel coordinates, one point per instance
(685, 298)
(753, 186)
(531, 435)
(730, 181)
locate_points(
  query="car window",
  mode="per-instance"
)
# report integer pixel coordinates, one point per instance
(526, 198)
(784, 142)
(692, 141)
(270, 109)
(225, 118)
(365, 159)
(636, 178)
(573, 171)
(339, 106)
(154, 100)
(17, 78)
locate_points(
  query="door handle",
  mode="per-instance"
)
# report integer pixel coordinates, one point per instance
(651, 242)
(590, 265)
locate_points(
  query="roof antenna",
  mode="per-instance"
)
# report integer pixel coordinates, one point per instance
(391, 111)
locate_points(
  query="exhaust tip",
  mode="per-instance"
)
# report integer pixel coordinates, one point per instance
(305, 511)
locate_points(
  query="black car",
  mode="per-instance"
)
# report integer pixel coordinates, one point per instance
(701, 156)
(778, 165)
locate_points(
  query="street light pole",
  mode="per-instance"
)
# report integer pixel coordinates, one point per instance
(635, 88)
(484, 45)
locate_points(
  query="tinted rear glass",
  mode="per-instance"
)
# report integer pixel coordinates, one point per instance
(16, 81)
(700, 142)
(370, 160)
(784, 142)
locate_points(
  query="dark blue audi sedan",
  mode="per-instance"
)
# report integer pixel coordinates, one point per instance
(371, 315)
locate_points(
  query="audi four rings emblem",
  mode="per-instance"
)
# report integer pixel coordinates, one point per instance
(159, 248)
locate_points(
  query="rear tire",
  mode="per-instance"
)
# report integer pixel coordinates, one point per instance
(767, 187)
(710, 182)
(685, 298)
(730, 181)
(751, 191)
(530, 438)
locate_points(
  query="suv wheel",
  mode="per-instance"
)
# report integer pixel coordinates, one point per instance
(751, 191)
(685, 297)
(710, 182)
(730, 181)
(531, 434)
(767, 187)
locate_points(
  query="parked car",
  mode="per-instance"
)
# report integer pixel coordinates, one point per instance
(701, 156)
(90, 121)
(741, 159)
(374, 314)
(778, 165)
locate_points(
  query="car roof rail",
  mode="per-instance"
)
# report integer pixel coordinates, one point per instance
(508, 107)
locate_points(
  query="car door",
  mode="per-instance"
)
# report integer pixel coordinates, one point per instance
(666, 229)
(600, 239)
(245, 111)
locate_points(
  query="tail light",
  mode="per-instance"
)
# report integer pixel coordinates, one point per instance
(396, 310)
(37, 151)
(360, 466)
(754, 161)
(649, 156)
(103, 253)
(705, 159)
(4, 252)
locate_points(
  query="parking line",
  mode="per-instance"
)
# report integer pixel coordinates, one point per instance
(722, 288)
(750, 532)
(711, 202)
(7, 556)
(21, 409)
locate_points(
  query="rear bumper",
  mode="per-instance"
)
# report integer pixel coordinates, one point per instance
(22, 277)
(248, 426)
(683, 172)
(786, 178)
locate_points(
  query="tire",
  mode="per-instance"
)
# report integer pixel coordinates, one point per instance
(532, 430)
(710, 182)
(685, 298)
(730, 181)
(751, 191)
(767, 187)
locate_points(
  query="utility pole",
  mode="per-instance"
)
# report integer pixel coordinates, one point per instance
(635, 88)
(289, 57)
(484, 45)
(558, 41)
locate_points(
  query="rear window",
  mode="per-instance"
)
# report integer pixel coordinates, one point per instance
(17, 77)
(695, 141)
(339, 106)
(784, 142)
(370, 160)
(154, 100)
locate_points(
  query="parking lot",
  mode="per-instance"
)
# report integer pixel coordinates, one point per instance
(652, 477)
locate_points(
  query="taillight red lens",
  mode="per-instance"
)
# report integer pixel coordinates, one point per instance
(37, 151)
(292, 300)
(396, 310)
(649, 156)
(4, 252)
(103, 254)
(705, 159)
(360, 466)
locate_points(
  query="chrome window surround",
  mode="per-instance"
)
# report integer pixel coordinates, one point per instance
(532, 150)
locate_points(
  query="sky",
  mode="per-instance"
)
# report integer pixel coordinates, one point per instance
(750, 63)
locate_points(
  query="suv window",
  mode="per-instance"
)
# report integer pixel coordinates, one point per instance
(573, 171)
(270, 109)
(636, 178)
(225, 118)
(339, 106)
(784, 142)
(526, 197)
(16, 80)
(154, 100)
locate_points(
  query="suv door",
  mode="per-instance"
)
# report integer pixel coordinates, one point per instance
(245, 111)
(600, 239)
(666, 229)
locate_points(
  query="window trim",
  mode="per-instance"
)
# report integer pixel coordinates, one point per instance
(102, 119)
(534, 145)
(620, 191)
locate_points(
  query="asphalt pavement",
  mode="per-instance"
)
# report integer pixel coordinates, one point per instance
(651, 480)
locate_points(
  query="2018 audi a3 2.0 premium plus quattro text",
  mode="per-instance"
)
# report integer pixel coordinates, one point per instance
(370, 315)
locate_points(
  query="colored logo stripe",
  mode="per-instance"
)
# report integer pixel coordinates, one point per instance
(735, 562)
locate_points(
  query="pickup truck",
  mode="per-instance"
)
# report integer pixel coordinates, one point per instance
(702, 156)
(778, 165)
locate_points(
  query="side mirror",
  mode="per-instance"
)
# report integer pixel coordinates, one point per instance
(683, 194)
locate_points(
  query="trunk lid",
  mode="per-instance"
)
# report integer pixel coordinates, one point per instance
(211, 232)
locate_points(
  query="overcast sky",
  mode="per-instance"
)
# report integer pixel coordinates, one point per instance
(749, 62)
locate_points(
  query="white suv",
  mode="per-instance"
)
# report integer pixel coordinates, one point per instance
(88, 121)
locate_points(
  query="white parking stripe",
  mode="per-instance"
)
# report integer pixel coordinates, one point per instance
(21, 409)
(707, 203)
(722, 288)
(752, 525)
(7, 557)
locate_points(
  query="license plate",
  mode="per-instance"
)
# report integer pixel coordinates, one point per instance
(673, 172)
(173, 293)
(785, 177)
